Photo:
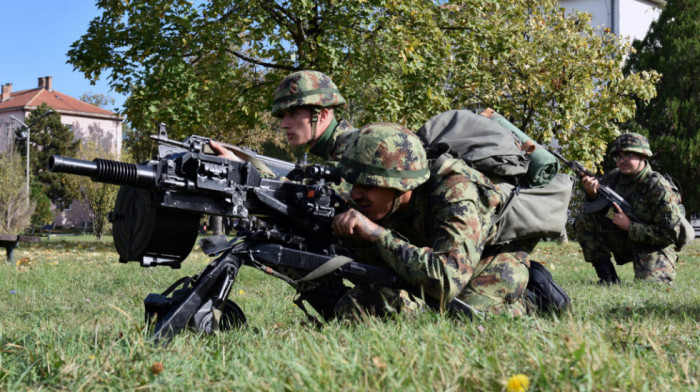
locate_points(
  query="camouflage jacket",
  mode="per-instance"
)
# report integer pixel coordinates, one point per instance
(654, 203)
(437, 242)
(332, 143)
(330, 147)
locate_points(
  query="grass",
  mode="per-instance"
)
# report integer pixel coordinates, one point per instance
(71, 318)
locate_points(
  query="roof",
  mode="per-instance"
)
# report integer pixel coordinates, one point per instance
(60, 102)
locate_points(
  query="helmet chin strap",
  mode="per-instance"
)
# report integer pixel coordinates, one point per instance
(394, 207)
(314, 124)
(397, 203)
(639, 166)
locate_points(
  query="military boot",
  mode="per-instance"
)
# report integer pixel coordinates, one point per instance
(606, 272)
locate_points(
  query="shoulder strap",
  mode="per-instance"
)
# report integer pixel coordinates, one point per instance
(325, 268)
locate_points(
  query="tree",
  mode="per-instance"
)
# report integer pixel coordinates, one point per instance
(212, 68)
(99, 100)
(672, 119)
(96, 197)
(49, 136)
(15, 207)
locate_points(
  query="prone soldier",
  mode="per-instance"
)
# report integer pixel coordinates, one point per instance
(430, 226)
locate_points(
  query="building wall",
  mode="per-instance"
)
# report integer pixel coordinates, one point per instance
(636, 17)
(108, 132)
(7, 128)
(599, 9)
(627, 18)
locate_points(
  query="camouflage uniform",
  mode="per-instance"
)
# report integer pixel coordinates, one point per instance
(649, 244)
(437, 244)
(333, 141)
(314, 90)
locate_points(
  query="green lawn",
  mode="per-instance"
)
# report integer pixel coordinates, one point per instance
(71, 318)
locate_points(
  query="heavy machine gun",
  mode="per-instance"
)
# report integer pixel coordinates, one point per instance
(283, 230)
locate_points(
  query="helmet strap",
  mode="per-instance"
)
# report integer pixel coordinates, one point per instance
(397, 202)
(314, 124)
(638, 172)
(639, 167)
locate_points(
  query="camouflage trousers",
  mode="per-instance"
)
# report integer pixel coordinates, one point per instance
(600, 239)
(497, 286)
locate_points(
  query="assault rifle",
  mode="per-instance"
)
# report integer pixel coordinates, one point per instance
(607, 195)
(284, 230)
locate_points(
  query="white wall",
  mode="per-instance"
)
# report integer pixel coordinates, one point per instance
(627, 18)
(599, 9)
(636, 17)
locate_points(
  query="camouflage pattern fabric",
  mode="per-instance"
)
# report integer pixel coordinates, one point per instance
(304, 89)
(365, 300)
(385, 155)
(438, 246)
(649, 244)
(332, 143)
(632, 142)
(330, 147)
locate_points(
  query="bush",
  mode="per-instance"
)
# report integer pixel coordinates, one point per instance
(16, 208)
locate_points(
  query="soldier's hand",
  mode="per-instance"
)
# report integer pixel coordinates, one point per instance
(620, 219)
(590, 185)
(223, 152)
(353, 223)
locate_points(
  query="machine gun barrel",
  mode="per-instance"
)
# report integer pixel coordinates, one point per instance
(108, 171)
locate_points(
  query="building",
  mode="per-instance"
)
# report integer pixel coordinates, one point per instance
(88, 122)
(626, 18)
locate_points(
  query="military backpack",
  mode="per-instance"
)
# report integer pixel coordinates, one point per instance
(527, 211)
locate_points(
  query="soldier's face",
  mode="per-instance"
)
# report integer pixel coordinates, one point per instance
(629, 162)
(296, 123)
(373, 201)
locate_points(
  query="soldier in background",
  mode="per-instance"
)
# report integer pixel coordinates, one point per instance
(431, 228)
(304, 102)
(649, 242)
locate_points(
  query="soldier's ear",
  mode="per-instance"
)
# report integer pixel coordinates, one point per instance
(325, 115)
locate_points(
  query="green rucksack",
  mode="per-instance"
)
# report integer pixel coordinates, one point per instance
(528, 211)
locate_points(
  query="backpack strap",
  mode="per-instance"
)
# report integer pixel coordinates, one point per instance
(437, 163)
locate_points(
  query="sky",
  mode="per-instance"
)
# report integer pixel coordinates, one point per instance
(37, 35)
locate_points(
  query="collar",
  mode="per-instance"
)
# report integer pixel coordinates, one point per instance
(323, 145)
(644, 174)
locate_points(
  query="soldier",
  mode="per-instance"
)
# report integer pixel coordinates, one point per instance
(304, 102)
(648, 242)
(430, 227)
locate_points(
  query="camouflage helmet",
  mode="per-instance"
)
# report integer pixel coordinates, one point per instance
(385, 155)
(305, 88)
(632, 142)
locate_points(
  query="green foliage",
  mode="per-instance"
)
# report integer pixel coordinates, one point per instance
(96, 197)
(99, 100)
(43, 215)
(89, 336)
(47, 137)
(211, 68)
(672, 119)
(16, 209)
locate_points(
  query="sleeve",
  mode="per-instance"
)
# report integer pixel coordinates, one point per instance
(665, 226)
(443, 270)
